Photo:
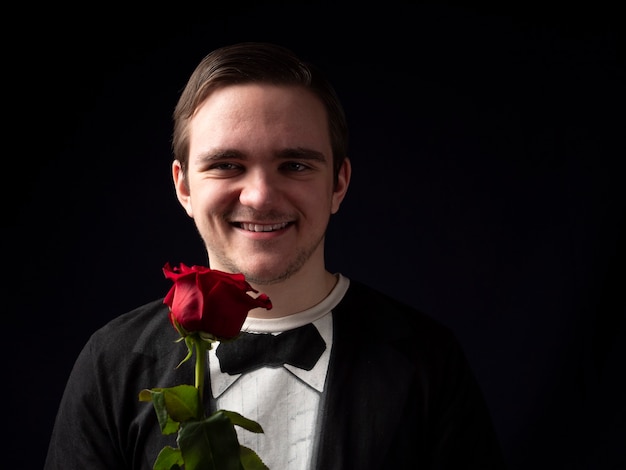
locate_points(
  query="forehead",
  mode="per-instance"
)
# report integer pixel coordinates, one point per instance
(285, 115)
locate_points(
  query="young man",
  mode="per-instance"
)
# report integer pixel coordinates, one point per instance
(260, 165)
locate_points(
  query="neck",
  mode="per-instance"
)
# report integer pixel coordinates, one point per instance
(296, 294)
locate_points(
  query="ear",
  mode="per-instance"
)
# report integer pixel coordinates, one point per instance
(182, 187)
(341, 188)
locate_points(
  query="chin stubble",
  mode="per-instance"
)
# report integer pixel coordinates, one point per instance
(301, 258)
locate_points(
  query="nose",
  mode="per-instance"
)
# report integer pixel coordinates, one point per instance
(259, 190)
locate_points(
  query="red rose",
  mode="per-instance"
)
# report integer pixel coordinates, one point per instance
(210, 301)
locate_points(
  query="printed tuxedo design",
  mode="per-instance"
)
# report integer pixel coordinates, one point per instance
(399, 393)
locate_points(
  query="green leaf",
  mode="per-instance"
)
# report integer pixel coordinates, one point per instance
(169, 459)
(210, 444)
(242, 421)
(145, 395)
(182, 402)
(250, 460)
(173, 405)
(167, 424)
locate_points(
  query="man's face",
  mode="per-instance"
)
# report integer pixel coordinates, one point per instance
(260, 181)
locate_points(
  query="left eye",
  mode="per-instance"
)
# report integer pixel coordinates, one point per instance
(294, 166)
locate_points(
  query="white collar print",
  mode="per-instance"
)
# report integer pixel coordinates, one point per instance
(320, 315)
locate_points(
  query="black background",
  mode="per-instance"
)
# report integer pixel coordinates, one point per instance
(488, 191)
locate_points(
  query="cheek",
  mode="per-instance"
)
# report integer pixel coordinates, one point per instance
(319, 206)
(209, 198)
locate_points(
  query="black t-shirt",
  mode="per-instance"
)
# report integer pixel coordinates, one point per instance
(400, 393)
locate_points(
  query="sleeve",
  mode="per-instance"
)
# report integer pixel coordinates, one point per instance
(465, 435)
(84, 436)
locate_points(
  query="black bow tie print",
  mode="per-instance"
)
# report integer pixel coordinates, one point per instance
(300, 347)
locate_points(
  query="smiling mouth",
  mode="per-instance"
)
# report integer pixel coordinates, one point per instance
(261, 227)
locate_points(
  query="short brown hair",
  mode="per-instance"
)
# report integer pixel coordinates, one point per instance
(257, 62)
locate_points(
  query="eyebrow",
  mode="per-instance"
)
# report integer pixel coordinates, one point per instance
(298, 153)
(218, 155)
(301, 153)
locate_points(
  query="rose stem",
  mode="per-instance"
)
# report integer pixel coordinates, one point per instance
(201, 349)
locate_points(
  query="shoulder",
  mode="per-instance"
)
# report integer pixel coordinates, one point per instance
(136, 349)
(373, 308)
(142, 330)
(370, 313)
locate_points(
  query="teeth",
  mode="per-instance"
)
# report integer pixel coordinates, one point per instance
(262, 228)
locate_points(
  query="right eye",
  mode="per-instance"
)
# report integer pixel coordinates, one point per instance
(224, 166)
